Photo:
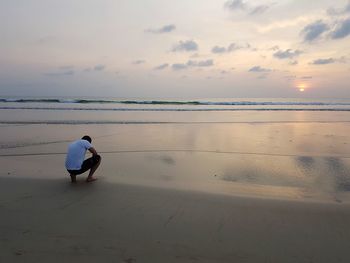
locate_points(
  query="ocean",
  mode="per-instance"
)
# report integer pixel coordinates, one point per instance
(106, 110)
(273, 148)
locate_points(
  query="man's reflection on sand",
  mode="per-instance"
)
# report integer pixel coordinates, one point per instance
(306, 162)
(340, 171)
(329, 174)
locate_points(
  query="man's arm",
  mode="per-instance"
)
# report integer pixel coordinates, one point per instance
(93, 151)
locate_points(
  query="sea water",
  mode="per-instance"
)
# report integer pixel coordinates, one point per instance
(107, 110)
(290, 148)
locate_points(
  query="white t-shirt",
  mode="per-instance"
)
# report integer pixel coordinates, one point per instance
(76, 154)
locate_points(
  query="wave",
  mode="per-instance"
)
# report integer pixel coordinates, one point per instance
(171, 102)
(32, 100)
(99, 122)
(172, 109)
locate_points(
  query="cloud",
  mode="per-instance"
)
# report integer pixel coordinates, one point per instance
(232, 47)
(188, 45)
(193, 63)
(293, 63)
(218, 50)
(259, 9)
(274, 48)
(343, 30)
(178, 66)
(99, 67)
(203, 63)
(289, 53)
(315, 30)
(234, 5)
(336, 12)
(290, 77)
(164, 29)
(162, 66)
(138, 62)
(259, 69)
(323, 61)
(306, 77)
(340, 26)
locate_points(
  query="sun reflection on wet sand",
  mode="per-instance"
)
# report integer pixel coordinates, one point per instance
(296, 160)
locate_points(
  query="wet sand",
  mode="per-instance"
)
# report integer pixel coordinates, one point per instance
(178, 193)
(54, 221)
(298, 161)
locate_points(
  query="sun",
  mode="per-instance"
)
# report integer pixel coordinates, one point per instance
(301, 87)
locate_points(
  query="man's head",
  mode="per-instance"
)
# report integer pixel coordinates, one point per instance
(87, 138)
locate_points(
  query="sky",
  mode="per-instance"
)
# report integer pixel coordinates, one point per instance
(182, 49)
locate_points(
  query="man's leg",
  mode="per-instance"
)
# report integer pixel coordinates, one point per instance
(73, 177)
(90, 177)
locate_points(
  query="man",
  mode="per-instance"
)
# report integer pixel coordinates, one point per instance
(75, 163)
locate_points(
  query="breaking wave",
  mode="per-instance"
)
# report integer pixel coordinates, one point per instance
(175, 102)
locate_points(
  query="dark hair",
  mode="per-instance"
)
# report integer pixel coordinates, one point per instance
(87, 138)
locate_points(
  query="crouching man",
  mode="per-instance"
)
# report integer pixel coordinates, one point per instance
(75, 163)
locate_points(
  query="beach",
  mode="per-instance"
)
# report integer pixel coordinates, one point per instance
(51, 220)
(175, 131)
(212, 186)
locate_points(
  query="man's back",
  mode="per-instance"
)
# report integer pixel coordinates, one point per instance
(76, 154)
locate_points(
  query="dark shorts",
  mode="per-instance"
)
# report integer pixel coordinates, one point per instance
(87, 165)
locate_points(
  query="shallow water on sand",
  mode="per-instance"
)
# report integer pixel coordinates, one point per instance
(299, 155)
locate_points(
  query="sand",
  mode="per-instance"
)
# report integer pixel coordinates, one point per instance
(54, 221)
(154, 204)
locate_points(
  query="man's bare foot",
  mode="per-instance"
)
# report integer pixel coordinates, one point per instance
(91, 179)
(73, 178)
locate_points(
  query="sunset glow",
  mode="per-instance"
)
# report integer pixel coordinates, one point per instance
(302, 87)
(189, 50)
